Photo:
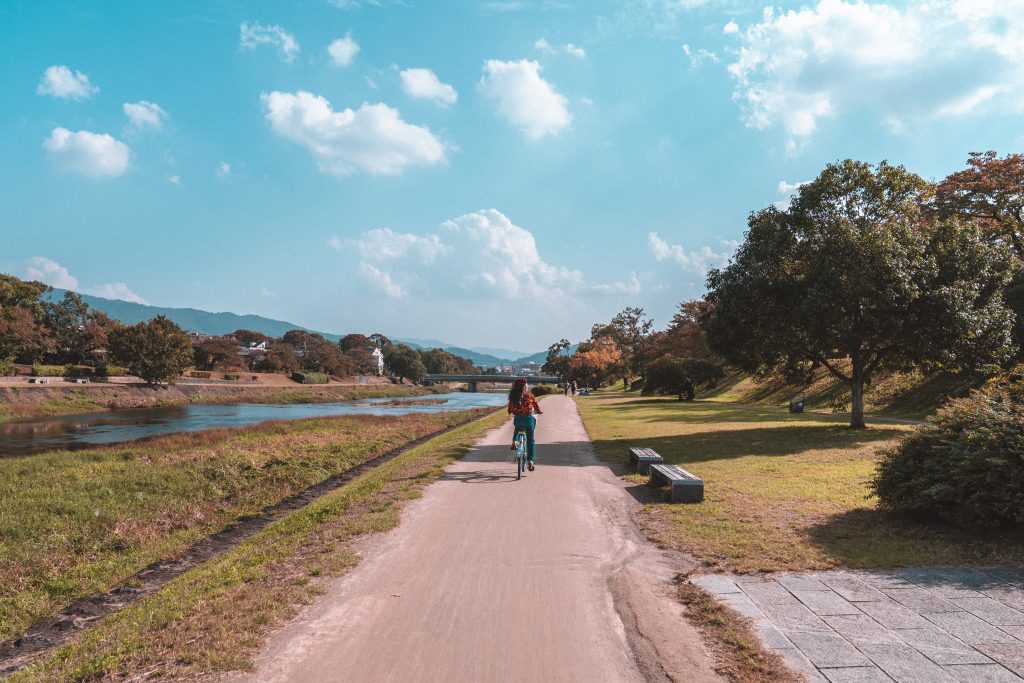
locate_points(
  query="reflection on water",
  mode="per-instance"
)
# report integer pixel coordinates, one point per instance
(76, 431)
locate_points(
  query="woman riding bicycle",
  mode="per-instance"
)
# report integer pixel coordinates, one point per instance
(522, 405)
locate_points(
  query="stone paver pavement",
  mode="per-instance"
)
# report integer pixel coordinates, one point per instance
(926, 624)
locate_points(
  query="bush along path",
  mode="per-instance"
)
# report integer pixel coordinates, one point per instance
(54, 630)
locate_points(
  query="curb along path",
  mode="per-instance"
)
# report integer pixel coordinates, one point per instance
(493, 579)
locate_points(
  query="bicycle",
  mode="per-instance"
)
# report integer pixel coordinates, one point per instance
(521, 451)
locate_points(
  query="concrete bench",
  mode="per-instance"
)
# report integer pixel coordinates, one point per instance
(641, 459)
(686, 487)
(38, 380)
(78, 380)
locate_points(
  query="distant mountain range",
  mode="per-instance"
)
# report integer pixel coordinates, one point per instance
(205, 322)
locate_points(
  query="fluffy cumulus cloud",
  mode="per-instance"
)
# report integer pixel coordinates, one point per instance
(343, 50)
(143, 114)
(60, 81)
(50, 272)
(630, 285)
(424, 84)
(695, 262)
(91, 154)
(54, 274)
(483, 253)
(904, 64)
(698, 56)
(372, 139)
(524, 98)
(255, 34)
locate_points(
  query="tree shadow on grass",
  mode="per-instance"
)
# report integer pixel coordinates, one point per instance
(671, 410)
(866, 537)
(757, 441)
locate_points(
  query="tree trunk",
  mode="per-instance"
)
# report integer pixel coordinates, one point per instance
(857, 402)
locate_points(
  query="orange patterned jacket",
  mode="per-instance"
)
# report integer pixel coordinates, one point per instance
(526, 406)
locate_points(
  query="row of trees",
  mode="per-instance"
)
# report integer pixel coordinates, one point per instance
(34, 329)
(869, 268)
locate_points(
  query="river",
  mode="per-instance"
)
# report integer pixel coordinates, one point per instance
(76, 431)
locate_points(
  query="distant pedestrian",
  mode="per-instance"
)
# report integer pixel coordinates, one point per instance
(574, 387)
(567, 387)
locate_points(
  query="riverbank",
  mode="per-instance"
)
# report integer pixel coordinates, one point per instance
(77, 523)
(23, 402)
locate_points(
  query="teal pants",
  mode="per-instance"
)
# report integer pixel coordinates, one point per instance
(528, 423)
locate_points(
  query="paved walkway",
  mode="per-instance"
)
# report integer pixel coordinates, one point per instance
(933, 625)
(493, 579)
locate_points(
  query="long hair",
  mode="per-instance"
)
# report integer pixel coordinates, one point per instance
(516, 394)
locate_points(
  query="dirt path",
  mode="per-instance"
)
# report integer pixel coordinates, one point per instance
(490, 579)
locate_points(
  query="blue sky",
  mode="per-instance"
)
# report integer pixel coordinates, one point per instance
(500, 173)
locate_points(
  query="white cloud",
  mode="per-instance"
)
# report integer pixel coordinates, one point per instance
(92, 154)
(224, 170)
(544, 46)
(572, 50)
(174, 180)
(117, 290)
(143, 114)
(54, 274)
(50, 272)
(525, 99)
(58, 81)
(255, 34)
(481, 254)
(731, 28)
(696, 262)
(424, 83)
(904, 65)
(629, 286)
(267, 292)
(381, 280)
(373, 139)
(385, 244)
(787, 191)
(699, 56)
(343, 50)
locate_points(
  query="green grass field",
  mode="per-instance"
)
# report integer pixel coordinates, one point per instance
(213, 618)
(74, 523)
(782, 492)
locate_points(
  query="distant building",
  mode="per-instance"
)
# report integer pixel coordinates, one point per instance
(379, 355)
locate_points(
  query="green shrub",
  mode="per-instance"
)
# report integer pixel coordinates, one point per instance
(48, 370)
(544, 390)
(310, 377)
(7, 367)
(199, 374)
(110, 371)
(229, 375)
(967, 465)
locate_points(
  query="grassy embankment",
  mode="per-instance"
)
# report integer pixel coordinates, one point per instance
(77, 523)
(783, 492)
(18, 403)
(911, 395)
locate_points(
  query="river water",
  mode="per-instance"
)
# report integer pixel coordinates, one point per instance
(76, 431)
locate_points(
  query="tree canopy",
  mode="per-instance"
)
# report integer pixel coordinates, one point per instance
(155, 351)
(852, 277)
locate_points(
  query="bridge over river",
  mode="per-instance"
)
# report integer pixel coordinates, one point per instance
(473, 380)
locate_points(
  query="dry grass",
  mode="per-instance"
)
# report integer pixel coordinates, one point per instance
(215, 617)
(783, 492)
(743, 659)
(77, 523)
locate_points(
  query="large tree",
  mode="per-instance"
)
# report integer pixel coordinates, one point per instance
(404, 362)
(596, 361)
(23, 332)
(557, 361)
(630, 329)
(156, 351)
(217, 352)
(990, 191)
(852, 277)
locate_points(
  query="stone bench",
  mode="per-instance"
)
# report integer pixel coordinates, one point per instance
(686, 487)
(641, 459)
(38, 380)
